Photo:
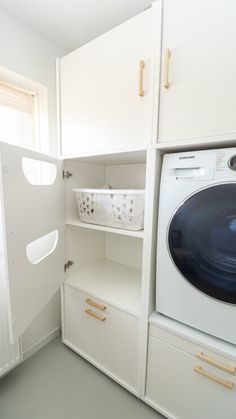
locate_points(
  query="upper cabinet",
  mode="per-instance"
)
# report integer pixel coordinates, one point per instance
(106, 88)
(198, 82)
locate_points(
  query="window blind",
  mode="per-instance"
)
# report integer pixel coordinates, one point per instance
(16, 98)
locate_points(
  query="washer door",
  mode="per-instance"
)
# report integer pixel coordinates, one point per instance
(202, 241)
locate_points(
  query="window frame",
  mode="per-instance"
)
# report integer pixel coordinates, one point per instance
(40, 109)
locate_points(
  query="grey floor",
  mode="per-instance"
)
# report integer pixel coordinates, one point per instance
(56, 383)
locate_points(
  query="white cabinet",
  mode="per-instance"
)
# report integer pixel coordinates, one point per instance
(189, 377)
(107, 269)
(201, 97)
(104, 335)
(107, 262)
(106, 93)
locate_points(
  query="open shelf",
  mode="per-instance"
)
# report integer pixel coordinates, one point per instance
(113, 283)
(123, 232)
(129, 156)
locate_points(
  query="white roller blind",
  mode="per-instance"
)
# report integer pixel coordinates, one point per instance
(16, 98)
(18, 116)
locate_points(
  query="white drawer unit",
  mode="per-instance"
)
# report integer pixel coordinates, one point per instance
(186, 379)
(104, 335)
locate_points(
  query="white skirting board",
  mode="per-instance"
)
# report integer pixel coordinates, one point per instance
(40, 344)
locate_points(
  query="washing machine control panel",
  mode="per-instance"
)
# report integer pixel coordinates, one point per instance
(218, 165)
(225, 166)
(232, 163)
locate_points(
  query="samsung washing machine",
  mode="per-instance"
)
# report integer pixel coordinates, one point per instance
(196, 249)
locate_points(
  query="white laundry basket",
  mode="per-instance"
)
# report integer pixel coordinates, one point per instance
(120, 208)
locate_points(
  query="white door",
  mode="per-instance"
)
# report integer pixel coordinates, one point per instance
(201, 98)
(101, 105)
(32, 200)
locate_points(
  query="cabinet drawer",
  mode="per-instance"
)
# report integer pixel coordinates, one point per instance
(107, 341)
(97, 303)
(180, 392)
(208, 349)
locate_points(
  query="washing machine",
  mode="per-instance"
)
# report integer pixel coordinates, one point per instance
(196, 248)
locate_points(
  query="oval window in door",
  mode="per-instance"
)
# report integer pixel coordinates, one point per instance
(202, 241)
(41, 248)
(39, 172)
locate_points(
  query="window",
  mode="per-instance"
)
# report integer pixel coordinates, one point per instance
(23, 112)
(19, 124)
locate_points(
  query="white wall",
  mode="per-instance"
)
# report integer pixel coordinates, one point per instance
(28, 53)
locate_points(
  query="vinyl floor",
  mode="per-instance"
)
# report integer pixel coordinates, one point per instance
(56, 383)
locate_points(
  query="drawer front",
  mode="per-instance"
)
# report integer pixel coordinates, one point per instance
(105, 340)
(101, 306)
(206, 348)
(176, 388)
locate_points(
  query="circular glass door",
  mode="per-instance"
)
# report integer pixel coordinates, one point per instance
(202, 241)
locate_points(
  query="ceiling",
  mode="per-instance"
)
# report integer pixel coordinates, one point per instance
(71, 23)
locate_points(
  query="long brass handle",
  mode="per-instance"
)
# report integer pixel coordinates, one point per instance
(227, 368)
(167, 55)
(95, 315)
(226, 383)
(95, 304)
(140, 84)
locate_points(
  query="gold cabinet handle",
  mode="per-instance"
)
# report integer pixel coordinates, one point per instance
(95, 304)
(167, 55)
(95, 315)
(226, 383)
(140, 84)
(227, 368)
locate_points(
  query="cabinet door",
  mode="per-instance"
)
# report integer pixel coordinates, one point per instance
(201, 98)
(101, 108)
(32, 227)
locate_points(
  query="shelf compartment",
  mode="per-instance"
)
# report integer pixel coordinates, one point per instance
(116, 157)
(113, 283)
(130, 233)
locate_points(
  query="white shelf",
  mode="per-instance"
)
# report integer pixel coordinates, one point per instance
(116, 284)
(216, 141)
(119, 156)
(130, 233)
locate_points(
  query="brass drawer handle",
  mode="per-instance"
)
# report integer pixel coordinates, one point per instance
(227, 368)
(140, 84)
(96, 305)
(167, 55)
(226, 383)
(95, 315)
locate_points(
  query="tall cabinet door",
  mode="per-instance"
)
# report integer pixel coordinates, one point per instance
(32, 239)
(198, 83)
(106, 89)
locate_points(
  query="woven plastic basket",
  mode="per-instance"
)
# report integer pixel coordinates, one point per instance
(120, 208)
